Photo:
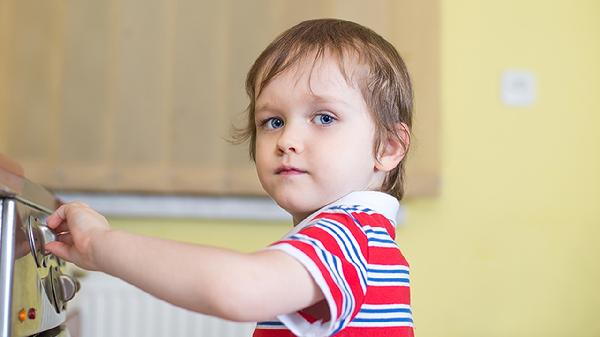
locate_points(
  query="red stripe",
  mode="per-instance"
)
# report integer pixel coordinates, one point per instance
(388, 295)
(272, 333)
(402, 331)
(386, 256)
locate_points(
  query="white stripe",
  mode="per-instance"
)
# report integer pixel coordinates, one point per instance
(379, 275)
(388, 284)
(379, 233)
(383, 244)
(378, 324)
(380, 236)
(388, 268)
(378, 230)
(375, 315)
(382, 314)
(385, 306)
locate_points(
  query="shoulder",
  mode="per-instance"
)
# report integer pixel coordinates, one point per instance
(366, 202)
(364, 208)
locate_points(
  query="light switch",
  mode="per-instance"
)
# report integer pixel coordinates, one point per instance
(518, 88)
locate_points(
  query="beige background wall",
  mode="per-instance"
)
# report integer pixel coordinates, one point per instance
(141, 95)
(511, 246)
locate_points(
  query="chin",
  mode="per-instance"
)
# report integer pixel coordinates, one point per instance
(295, 206)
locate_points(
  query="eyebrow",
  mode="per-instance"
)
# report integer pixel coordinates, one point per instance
(325, 98)
(318, 99)
(266, 107)
(329, 99)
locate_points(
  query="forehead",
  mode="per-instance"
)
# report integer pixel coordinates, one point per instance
(311, 81)
(318, 69)
(325, 76)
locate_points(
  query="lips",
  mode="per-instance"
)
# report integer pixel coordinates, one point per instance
(289, 170)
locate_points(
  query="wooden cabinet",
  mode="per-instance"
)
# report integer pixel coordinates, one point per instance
(140, 95)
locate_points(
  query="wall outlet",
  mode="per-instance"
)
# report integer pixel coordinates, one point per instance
(518, 88)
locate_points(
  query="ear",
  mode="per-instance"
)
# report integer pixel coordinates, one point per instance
(393, 149)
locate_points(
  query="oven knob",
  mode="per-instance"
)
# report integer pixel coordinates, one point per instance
(39, 235)
(69, 286)
(47, 236)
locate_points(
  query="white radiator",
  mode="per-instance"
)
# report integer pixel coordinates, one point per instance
(106, 307)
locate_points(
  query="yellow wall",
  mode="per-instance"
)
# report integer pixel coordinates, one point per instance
(511, 247)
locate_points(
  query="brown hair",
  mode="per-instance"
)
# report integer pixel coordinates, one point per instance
(385, 87)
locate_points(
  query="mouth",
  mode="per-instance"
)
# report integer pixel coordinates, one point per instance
(289, 170)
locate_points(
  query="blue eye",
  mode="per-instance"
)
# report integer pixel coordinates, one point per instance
(323, 119)
(274, 123)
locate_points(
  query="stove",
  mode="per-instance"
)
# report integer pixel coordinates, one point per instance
(34, 285)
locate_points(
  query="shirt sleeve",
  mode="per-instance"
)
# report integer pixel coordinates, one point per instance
(333, 248)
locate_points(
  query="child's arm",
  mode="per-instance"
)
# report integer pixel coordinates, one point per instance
(219, 282)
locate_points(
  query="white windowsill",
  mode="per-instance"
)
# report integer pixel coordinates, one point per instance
(174, 206)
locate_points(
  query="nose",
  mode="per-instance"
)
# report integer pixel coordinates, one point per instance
(290, 140)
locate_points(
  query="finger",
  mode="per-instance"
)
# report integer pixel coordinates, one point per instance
(59, 249)
(62, 228)
(66, 238)
(56, 218)
(62, 213)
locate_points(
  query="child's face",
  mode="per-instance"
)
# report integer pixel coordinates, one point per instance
(314, 141)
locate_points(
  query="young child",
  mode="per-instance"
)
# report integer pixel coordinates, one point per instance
(328, 126)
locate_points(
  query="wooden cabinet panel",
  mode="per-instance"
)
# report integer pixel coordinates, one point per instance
(141, 95)
(31, 76)
(83, 150)
(199, 96)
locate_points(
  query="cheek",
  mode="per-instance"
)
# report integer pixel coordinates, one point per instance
(259, 148)
(259, 157)
(261, 163)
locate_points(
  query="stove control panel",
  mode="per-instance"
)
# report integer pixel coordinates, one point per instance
(42, 286)
(59, 287)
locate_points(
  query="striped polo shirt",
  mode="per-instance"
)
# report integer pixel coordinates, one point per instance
(348, 248)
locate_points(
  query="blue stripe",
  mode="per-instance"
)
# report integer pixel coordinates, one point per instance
(351, 208)
(389, 271)
(271, 323)
(389, 279)
(344, 208)
(373, 320)
(372, 231)
(348, 302)
(344, 315)
(381, 311)
(382, 240)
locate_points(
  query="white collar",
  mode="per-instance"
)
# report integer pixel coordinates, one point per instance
(379, 202)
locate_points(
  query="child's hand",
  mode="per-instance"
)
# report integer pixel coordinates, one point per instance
(76, 226)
